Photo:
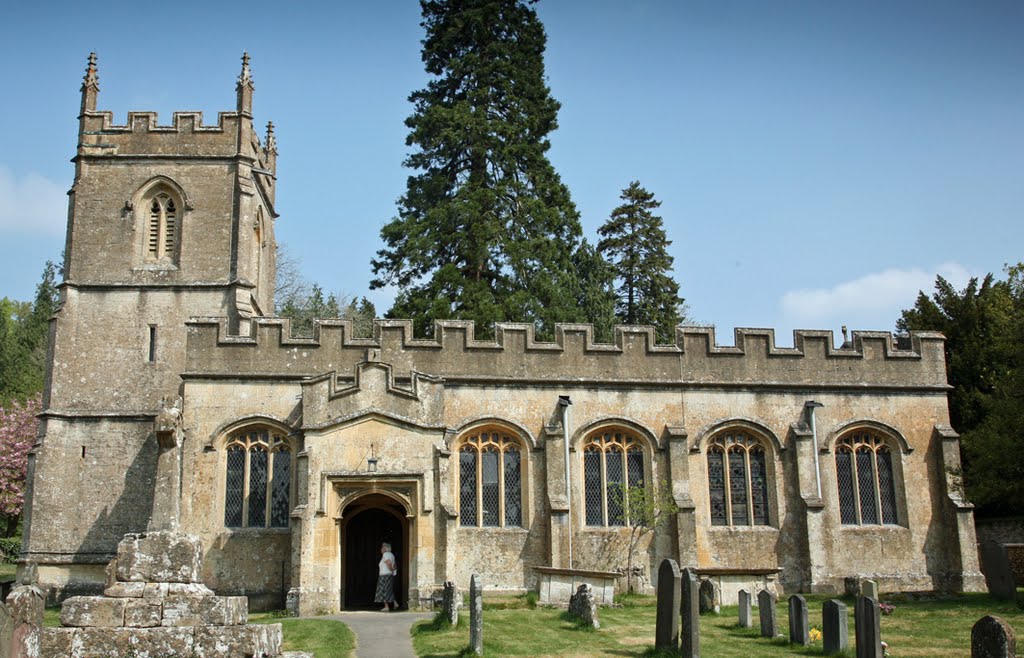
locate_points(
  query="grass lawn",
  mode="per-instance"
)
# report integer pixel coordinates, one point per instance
(936, 629)
(8, 570)
(326, 638)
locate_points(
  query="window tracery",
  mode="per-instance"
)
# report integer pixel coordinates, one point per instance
(864, 474)
(613, 463)
(737, 479)
(163, 228)
(490, 480)
(258, 478)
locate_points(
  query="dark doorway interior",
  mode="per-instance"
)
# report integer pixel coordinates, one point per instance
(364, 533)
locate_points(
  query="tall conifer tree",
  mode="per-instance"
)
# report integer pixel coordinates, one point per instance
(486, 231)
(633, 240)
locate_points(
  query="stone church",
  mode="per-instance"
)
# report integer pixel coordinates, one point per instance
(793, 468)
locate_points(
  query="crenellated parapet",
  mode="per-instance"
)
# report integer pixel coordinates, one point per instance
(871, 360)
(143, 136)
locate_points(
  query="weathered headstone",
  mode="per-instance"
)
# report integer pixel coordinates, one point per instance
(450, 603)
(868, 628)
(666, 628)
(834, 626)
(799, 629)
(991, 637)
(25, 605)
(583, 606)
(869, 588)
(998, 571)
(708, 601)
(476, 616)
(689, 641)
(746, 610)
(766, 612)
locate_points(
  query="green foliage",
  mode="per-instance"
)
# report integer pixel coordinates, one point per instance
(984, 329)
(644, 509)
(10, 548)
(24, 339)
(635, 243)
(486, 230)
(303, 302)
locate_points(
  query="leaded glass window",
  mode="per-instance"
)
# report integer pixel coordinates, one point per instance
(613, 461)
(258, 481)
(490, 481)
(737, 479)
(864, 473)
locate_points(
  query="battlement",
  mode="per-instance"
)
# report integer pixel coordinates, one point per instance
(142, 135)
(872, 359)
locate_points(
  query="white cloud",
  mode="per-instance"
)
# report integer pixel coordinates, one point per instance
(872, 301)
(31, 205)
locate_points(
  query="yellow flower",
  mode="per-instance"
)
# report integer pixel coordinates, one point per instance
(815, 635)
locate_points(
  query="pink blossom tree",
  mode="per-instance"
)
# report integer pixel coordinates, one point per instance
(18, 426)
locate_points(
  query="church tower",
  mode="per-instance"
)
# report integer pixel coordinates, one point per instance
(165, 222)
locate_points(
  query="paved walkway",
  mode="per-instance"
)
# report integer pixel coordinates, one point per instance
(382, 634)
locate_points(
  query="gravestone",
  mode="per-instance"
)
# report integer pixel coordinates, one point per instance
(766, 612)
(476, 616)
(869, 588)
(666, 629)
(746, 611)
(867, 628)
(991, 637)
(582, 605)
(708, 601)
(689, 641)
(834, 627)
(25, 605)
(799, 629)
(995, 563)
(450, 603)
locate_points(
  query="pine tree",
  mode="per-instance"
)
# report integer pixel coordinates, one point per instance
(634, 242)
(486, 231)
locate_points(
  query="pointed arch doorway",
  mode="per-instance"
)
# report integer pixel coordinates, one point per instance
(368, 521)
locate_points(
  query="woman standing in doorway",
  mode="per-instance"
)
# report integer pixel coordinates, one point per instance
(386, 572)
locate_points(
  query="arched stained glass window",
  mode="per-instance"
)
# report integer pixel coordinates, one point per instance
(613, 462)
(737, 479)
(258, 480)
(864, 474)
(490, 480)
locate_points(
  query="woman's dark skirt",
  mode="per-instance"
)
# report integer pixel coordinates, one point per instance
(385, 589)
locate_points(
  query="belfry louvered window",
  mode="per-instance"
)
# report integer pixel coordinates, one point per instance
(162, 229)
(257, 491)
(490, 480)
(864, 472)
(613, 463)
(737, 480)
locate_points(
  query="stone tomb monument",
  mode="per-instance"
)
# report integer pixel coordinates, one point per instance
(155, 602)
(157, 605)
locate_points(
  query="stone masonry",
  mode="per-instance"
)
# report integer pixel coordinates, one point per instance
(157, 605)
(175, 400)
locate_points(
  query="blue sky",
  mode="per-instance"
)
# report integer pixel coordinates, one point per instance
(818, 162)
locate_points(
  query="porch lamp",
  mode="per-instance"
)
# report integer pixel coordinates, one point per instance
(371, 462)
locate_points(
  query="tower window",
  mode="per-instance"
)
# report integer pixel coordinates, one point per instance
(152, 343)
(162, 229)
